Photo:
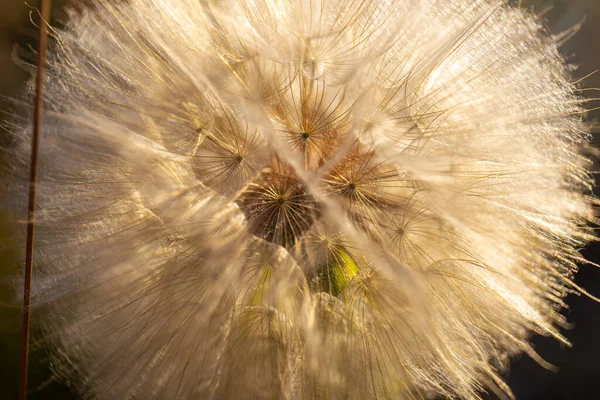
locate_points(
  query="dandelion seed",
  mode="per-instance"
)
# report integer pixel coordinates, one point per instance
(304, 199)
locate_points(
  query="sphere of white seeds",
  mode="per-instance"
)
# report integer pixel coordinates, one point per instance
(304, 198)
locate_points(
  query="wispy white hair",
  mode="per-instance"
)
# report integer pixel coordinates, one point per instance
(304, 198)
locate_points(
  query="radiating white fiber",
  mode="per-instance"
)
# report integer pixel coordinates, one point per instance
(304, 199)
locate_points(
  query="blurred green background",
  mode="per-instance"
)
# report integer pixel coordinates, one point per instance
(579, 375)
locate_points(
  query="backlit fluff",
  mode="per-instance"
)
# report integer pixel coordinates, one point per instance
(304, 199)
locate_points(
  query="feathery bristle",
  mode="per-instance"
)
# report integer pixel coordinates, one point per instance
(305, 199)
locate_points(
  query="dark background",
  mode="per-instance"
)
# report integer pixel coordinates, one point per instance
(579, 373)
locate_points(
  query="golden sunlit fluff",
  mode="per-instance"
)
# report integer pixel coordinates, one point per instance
(304, 199)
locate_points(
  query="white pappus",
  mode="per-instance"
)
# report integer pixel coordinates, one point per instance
(304, 198)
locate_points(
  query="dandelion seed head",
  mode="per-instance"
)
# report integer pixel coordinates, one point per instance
(305, 199)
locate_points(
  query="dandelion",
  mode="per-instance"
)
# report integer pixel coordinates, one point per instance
(305, 199)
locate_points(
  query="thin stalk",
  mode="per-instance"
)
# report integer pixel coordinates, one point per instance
(33, 175)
